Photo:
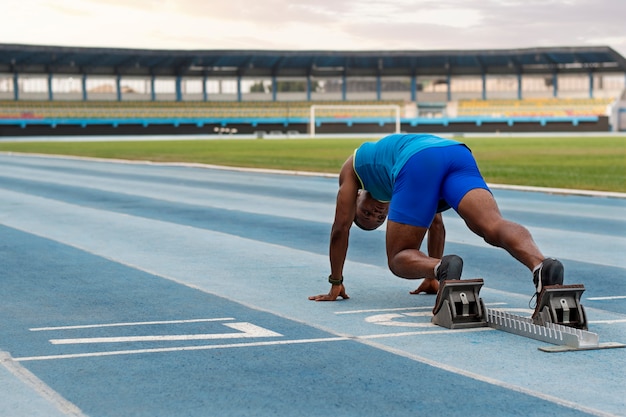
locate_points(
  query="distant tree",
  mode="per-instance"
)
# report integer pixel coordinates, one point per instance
(258, 87)
(294, 86)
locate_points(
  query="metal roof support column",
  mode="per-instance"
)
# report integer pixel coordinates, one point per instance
(274, 87)
(308, 87)
(179, 89)
(413, 87)
(205, 95)
(118, 86)
(449, 82)
(344, 87)
(378, 87)
(83, 86)
(519, 85)
(555, 84)
(239, 88)
(50, 94)
(152, 92)
(484, 93)
(591, 84)
(16, 87)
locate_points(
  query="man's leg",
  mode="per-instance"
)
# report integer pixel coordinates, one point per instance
(413, 207)
(407, 261)
(404, 256)
(435, 243)
(481, 214)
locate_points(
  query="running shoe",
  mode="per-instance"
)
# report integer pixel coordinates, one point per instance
(550, 272)
(450, 267)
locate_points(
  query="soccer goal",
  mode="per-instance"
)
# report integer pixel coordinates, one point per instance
(366, 113)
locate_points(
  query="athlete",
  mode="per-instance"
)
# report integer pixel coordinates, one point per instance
(406, 179)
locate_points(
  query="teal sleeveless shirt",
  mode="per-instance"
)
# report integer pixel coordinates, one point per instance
(377, 164)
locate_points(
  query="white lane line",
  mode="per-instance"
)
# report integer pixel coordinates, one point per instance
(613, 297)
(490, 380)
(607, 321)
(419, 333)
(377, 310)
(144, 323)
(179, 349)
(246, 330)
(40, 387)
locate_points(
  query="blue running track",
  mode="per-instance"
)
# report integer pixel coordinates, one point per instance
(138, 289)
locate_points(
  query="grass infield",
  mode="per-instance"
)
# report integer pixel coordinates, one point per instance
(586, 163)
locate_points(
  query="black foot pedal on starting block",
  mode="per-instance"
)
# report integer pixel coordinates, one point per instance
(458, 305)
(560, 304)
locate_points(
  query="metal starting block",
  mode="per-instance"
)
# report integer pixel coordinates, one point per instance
(458, 305)
(559, 318)
(564, 338)
(560, 304)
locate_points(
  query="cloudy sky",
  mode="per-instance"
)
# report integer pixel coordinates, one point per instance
(316, 24)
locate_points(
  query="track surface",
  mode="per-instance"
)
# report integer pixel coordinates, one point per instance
(153, 290)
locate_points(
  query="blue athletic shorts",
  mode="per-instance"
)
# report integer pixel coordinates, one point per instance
(434, 174)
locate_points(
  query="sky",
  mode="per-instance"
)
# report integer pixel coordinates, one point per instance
(315, 24)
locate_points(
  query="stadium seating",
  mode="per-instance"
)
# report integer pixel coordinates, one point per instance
(18, 117)
(173, 110)
(548, 107)
(34, 109)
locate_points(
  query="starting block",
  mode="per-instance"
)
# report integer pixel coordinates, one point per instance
(560, 304)
(458, 305)
(559, 318)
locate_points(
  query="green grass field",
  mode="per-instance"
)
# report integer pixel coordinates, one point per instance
(588, 163)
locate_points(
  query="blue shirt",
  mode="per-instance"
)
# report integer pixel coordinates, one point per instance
(377, 164)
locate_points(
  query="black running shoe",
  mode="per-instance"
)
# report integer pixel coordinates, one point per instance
(450, 267)
(550, 272)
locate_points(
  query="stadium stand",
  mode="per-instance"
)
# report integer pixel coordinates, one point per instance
(32, 109)
(540, 107)
(437, 91)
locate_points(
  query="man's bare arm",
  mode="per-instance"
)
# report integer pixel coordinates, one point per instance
(345, 210)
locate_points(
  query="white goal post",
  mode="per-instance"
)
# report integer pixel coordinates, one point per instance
(354, 111)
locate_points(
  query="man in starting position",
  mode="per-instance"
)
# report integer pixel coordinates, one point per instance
(408, 179)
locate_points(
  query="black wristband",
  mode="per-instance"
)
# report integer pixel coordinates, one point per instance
(335, 281)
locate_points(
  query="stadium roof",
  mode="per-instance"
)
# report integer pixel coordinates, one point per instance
(32, 59)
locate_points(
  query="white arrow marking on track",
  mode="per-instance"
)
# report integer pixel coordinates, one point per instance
(388, 319)
(246, 330)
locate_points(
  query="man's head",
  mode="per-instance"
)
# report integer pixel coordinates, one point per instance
(370, 213)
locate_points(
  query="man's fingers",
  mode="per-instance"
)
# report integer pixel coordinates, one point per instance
(335, 292)
(321, 297)
(428, 286)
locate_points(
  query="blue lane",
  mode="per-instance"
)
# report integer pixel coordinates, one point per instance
(46, 284)
(218, 182)
(319, 189)
(312, 236)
